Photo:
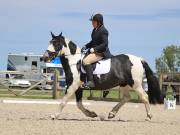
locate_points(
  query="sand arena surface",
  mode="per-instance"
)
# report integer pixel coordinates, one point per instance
(32, 119)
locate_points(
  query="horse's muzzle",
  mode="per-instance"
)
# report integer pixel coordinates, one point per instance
(46, 56)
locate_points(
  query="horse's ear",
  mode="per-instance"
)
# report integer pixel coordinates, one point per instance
(53, 36)
(60, 34)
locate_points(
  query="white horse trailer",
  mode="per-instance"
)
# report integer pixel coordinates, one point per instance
(33, 66)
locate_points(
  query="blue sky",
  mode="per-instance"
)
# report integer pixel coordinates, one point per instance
(141, 27)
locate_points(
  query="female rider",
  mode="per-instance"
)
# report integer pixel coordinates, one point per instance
(98, 47)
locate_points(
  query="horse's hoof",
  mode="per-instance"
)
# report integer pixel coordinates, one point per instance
(93, 115)
(111, 115)
(102, 117)
(149, 117)
(53, 117)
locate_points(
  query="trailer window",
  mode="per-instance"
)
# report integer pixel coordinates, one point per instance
(44, 70)
(41, 59)
(34, 63)
(25, 58)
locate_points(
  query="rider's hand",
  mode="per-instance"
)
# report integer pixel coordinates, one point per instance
(92, 50)
(83, 49)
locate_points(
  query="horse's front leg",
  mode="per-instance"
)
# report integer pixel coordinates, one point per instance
(70, 91)
(79, 94)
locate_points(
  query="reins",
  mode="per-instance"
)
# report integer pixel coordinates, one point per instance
(71, 55)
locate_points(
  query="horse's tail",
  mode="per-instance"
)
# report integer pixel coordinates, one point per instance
(154, 92)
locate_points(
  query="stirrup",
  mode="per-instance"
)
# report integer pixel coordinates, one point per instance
(91, 84)
(86, 86)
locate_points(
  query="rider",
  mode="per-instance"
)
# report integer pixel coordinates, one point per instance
(98, 47)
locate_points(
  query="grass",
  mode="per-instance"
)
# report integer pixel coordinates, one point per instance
(46, 94)
(32, 94)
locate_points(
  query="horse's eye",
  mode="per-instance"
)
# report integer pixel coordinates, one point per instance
(53, 41)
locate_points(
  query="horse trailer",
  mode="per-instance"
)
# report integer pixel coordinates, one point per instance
(32, 66)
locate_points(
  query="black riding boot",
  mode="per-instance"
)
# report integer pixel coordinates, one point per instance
(89, 73)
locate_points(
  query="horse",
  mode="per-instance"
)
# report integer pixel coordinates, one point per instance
(126, 71)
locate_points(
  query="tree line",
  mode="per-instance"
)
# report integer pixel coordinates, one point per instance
(169, 61)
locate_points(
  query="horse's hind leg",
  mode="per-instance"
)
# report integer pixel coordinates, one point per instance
(125, 98)
(144, 97)
(88, 113)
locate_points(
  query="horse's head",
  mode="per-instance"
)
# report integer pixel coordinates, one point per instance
(59, 46)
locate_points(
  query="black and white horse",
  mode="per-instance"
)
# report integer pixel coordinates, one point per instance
(126, 71)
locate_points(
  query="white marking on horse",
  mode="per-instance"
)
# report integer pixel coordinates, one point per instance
(137, 70)
(72, 61)
(51, 48)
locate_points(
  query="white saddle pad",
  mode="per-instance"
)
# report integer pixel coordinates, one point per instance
(102, 67)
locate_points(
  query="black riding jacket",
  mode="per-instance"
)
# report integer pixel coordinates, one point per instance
(100, 41)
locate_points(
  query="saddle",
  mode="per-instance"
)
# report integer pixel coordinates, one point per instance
(101, 67)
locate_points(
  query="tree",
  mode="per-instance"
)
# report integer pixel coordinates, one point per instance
(169, 61)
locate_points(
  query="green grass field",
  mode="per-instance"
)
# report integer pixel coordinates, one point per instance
(47, 94)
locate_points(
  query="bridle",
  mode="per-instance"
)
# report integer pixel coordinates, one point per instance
(59, 53)
(66, 55)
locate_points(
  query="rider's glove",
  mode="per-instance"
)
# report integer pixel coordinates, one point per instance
(83, 49)
(92, 50)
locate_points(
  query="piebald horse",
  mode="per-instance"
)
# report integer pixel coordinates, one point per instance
(127, 72)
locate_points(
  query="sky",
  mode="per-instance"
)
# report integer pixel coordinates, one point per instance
(139, 27)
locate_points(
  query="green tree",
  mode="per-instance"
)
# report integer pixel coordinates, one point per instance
(169, 61)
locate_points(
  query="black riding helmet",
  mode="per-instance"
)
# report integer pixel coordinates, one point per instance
(97, 17)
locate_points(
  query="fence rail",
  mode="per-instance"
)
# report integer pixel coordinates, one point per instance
(6, 82)
(171, 83)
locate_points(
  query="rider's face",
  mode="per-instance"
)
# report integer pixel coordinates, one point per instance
(94, 24)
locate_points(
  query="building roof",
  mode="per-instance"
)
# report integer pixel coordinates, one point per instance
(25, 54)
